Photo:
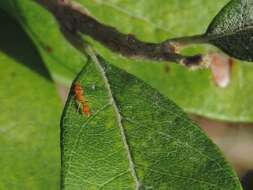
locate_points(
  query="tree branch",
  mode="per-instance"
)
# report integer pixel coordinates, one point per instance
(74, 18)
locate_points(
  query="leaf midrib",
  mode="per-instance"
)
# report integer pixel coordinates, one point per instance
(119, 117)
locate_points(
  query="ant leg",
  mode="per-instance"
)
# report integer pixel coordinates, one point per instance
(78, 107)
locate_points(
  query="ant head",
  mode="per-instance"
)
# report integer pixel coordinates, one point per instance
(78, 86)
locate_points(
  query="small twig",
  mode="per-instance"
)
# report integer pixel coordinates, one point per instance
(74, 18)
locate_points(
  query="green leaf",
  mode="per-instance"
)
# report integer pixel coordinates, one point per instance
(62, 60)
(232, 29)
(150, 21)
(134, 139)
(30, 112)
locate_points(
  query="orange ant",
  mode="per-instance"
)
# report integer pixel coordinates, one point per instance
(80, 98)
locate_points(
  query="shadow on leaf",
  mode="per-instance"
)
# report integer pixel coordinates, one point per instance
(16, 43)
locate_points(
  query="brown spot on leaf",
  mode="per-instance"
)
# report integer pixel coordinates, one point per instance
(49, 49)
(167, 68)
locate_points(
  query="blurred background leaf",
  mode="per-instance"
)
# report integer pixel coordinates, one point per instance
(30, 113)
(150, 21)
